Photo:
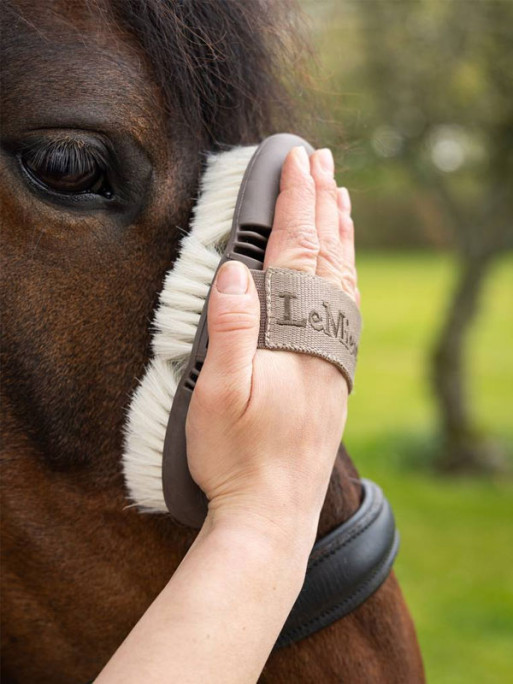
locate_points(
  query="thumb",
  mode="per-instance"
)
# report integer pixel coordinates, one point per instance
(233, 323)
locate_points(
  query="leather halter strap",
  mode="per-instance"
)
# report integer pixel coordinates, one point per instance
(345, 567)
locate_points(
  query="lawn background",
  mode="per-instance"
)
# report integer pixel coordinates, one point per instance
(456, 561)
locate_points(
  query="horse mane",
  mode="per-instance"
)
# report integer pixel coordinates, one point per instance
(232, 70)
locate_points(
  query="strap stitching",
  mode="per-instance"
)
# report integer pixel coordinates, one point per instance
(268, 305)
(338, 544)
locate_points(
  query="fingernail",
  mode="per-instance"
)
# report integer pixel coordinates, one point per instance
(326, 159)
(302, 159)
(232, 278)
(344, 200)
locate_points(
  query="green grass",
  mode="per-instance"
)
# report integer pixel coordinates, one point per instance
(456, 560)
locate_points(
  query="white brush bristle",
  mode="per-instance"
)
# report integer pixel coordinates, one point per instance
(181, 301)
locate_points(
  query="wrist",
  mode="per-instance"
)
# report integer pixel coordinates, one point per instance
(277, 505)
(282, 540)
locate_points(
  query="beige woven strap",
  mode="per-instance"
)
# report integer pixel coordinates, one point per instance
(306, 313)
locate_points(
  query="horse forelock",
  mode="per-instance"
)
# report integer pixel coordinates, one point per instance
(228, 67)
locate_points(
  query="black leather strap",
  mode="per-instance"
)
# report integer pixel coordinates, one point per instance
(345, 567)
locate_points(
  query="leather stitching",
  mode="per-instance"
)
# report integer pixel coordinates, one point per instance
(338, 544)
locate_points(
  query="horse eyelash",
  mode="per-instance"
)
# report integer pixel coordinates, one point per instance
(73, 156)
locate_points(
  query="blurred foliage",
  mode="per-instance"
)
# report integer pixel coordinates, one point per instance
(420, 96)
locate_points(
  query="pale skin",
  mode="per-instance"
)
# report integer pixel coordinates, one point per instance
(274, 421)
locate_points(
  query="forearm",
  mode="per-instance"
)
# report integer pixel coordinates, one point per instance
(220, 614)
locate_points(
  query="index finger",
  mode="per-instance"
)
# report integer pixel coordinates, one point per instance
(294, 242)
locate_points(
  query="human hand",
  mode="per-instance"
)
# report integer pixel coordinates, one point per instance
(263, 426)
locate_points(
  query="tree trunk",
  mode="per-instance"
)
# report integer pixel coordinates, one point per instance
(463, 448)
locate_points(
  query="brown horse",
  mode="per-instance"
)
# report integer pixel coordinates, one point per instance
(108, 109)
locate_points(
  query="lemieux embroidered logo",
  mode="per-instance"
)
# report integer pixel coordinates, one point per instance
(322, 321)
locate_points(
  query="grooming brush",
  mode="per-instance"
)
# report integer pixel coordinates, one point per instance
(232, 220)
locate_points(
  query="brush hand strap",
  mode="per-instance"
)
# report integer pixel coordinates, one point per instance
(305, 313)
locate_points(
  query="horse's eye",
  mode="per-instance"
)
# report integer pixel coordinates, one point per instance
(64, 179)
(67, 167)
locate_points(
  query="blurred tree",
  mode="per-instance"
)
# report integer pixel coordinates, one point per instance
(437, 84)
(451, 62)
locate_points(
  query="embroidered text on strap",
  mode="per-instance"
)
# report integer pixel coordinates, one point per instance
(305, 313)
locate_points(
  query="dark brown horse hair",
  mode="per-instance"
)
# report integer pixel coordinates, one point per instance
(232, 70)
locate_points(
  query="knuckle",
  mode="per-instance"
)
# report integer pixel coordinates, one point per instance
(229, 397)
(305, 239)
(204, 397)
(347, 226)
(300, 193)
(306, 185)
(331, 249)
(232, 321)
(216, 396)
(328, 186)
